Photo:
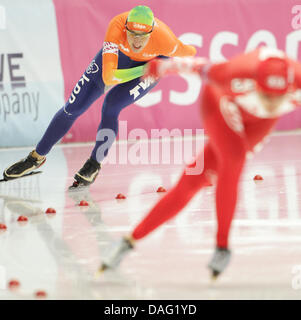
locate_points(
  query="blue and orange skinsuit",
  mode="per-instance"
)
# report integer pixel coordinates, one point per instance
(118, 66)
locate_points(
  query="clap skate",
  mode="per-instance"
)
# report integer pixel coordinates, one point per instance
(219, 261)
(86, 175)
(24, 167)
(115, 254)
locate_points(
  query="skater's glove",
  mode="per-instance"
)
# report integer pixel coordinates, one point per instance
(152, 69)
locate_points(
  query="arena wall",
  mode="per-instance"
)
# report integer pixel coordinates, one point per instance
(47, 45)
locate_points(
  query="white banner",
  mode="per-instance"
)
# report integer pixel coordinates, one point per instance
(31, 80)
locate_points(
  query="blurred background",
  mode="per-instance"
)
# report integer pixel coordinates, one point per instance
(47, 44)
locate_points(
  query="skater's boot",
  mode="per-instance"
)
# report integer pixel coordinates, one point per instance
(115, 253)
(219, 261)
(87, 174)
(24, 166)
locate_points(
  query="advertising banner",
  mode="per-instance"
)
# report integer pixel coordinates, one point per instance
(31, 82)
(47, 45)
(218, 28)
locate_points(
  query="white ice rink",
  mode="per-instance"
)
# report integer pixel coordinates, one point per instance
(60, 253)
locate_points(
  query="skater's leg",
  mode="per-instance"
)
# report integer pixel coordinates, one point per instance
(165, 209)
(178, 197)
(227, 136)
(224, 126)
(89, 88)
(229, 171)
(231, 158)
(116, 100)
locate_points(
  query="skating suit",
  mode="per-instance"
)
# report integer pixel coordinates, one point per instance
(237, 124)
(100, 74)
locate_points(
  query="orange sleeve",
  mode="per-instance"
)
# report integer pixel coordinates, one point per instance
(170, 45)
(110, 49)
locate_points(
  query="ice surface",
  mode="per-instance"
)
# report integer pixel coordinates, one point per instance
(60, 253)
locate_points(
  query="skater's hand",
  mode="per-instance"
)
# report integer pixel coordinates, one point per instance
(152, 69)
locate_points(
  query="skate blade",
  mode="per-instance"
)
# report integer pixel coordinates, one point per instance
(77, 186)
(24, 176)
(214, 276)
(100, 271)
